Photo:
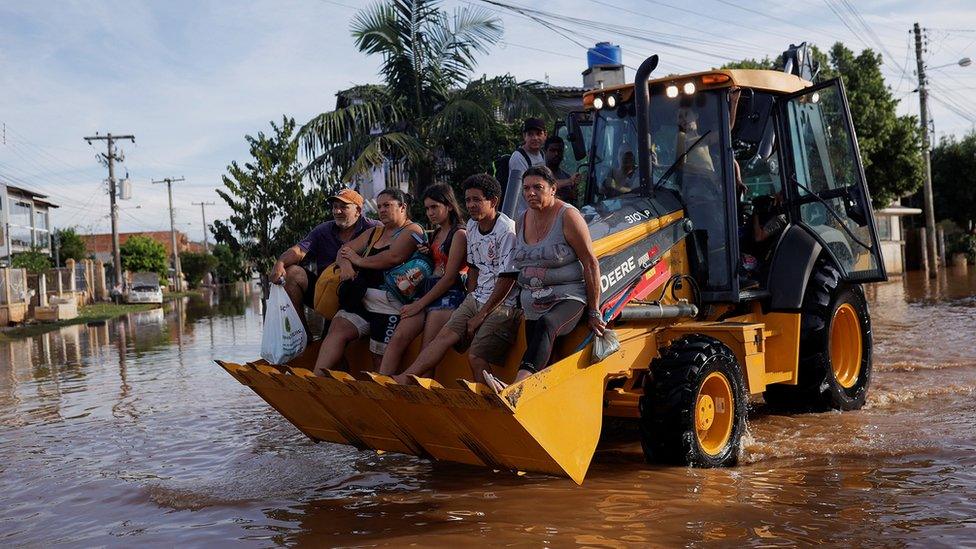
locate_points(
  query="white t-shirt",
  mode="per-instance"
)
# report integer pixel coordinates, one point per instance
(516, 167)
(490, 254)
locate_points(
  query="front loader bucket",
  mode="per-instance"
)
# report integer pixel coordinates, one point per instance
(548, 423)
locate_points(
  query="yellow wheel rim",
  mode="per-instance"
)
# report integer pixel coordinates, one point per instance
(714, 413)
(846, 345)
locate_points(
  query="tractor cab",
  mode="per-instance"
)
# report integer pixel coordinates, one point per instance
(737, 149)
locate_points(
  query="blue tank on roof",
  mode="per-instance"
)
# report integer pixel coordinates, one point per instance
(604, 53)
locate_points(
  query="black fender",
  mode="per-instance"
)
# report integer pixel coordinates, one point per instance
(789, 270)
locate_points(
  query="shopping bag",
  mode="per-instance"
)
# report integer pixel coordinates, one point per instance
(604, 346)
(284, 336)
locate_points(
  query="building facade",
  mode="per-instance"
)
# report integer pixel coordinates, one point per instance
(100, 245)
(25, 220)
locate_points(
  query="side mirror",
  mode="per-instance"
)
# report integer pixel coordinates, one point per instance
(575, 135)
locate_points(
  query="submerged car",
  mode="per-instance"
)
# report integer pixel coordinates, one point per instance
(144, 289)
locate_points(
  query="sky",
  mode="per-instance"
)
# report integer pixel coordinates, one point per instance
(189, 79)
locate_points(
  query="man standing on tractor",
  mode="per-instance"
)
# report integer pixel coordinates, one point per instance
(528, 154)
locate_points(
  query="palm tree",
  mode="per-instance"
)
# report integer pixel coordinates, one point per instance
(427, 98)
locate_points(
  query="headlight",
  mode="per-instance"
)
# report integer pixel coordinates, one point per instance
(671, 91)
(689, 88)
(611, 101)
(597, 103)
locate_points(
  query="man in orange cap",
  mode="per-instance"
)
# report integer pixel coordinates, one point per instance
(319, 248)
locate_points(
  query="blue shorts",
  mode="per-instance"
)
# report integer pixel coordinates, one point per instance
(449, 301)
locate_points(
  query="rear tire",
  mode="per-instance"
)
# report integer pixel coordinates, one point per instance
(835, 347)
(693, 411)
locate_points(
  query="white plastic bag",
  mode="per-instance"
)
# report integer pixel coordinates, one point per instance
(604, 346)
(284, 336)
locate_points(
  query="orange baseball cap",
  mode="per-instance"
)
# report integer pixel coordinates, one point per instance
(348, 196)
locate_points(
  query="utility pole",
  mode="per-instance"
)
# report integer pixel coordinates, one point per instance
(178, 275)
(931, 249)
(110, 157)
(56, 241)
(206, 239)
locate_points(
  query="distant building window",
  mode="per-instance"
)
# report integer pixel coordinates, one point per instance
(884, 227)
(20, 236)
(40, 219)
(20, 213)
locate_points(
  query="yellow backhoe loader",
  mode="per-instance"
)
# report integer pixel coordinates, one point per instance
(709, 309)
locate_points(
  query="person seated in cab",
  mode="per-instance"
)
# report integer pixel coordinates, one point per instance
(623, 177)
(445, 289)
(557, 272)
(319, 250)
(367, 308)
(487, 334)
(768, 221)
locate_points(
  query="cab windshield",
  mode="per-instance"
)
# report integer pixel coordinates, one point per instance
(684, 130)
(686, 139)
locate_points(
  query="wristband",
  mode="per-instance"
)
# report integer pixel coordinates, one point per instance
(595, 313)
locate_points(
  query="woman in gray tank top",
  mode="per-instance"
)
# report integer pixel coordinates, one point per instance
(557, 271)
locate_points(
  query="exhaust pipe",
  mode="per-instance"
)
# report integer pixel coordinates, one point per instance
(658, 311)
(642, 100)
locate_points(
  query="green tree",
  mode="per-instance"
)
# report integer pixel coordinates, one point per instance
(195, 265)
(427, 99)
(272, 208)
(890, 144)
(143, 254)
(35, 260)
(762, 64)
(953, 169)
(230, 264)
(70, 245)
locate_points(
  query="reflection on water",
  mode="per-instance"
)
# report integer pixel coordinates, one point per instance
(127, 433)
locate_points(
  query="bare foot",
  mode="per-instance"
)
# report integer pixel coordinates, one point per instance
(401, 379)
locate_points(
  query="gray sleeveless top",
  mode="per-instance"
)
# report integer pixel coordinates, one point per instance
(549, 270)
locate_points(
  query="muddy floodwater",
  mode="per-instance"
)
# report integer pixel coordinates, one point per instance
(128, 433)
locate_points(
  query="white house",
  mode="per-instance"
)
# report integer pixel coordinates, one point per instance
(25, 220)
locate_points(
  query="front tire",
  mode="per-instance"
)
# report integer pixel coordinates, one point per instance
(693, 411)
(835, 347)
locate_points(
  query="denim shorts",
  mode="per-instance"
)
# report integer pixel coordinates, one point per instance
(449, 301)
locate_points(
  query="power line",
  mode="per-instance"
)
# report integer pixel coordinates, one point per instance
(704, 41)
(558, 23)
(954, 108)
(20, 181)
(763, 14)
(723, 21)
(533, 48)
(844, 21)
(868, 29)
